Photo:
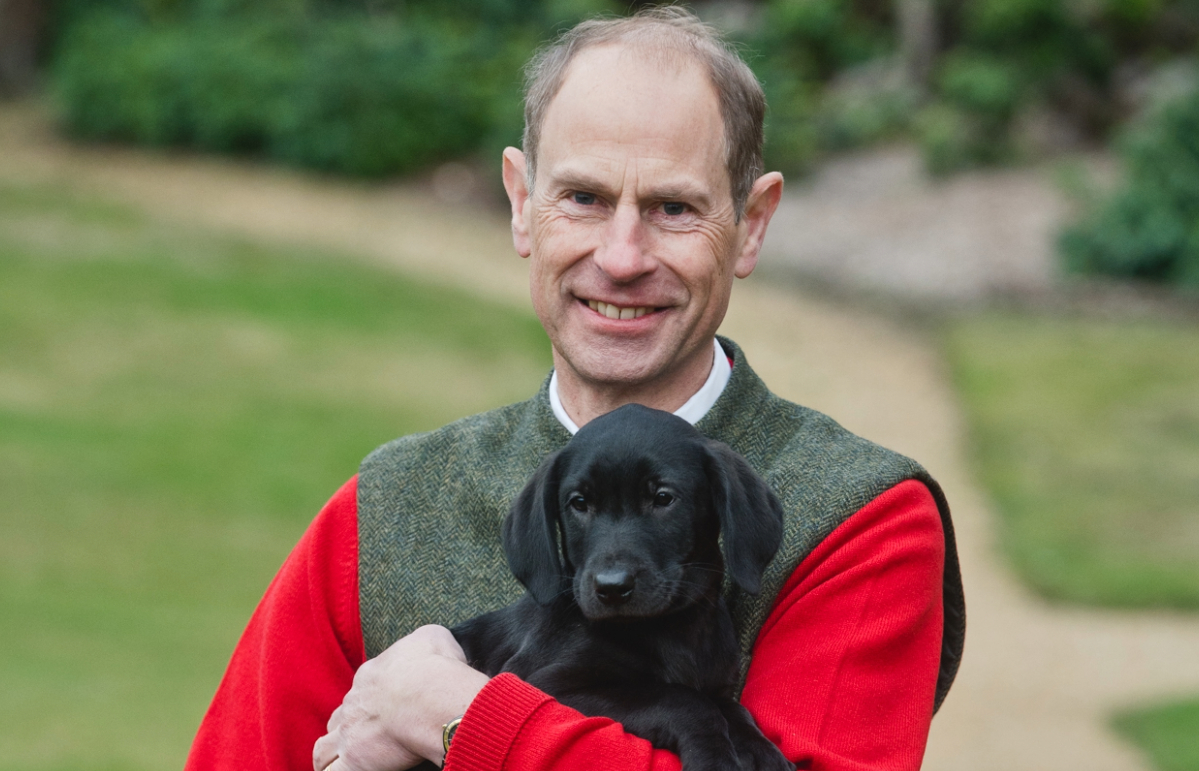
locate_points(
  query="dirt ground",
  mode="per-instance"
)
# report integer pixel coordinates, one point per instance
(1038, 681)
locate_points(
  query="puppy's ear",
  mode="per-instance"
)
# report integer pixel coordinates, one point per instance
(751, 517)
(530, 535)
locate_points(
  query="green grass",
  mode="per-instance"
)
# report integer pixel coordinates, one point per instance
(174, 409)
(1086, 435)
(1168, 733)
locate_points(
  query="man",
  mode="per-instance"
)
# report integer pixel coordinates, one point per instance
(638, 199)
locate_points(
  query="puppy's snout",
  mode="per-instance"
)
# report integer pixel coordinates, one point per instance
(614, 587)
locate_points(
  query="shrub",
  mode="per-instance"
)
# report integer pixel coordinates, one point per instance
(970, 126)
(359, 95)
(1149, 229)
(1010, 55)
(384, 97)
(866, 104)
(792, 143)
(805, 44)
(819, 38)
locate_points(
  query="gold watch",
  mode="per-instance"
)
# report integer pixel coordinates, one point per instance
(447, 733)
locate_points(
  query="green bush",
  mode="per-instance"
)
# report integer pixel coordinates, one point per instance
(1149, 229)
(1048, 38)
(359, 95)
(970, 125)
(802, 46)
(382, 98)
(792, 144)
(1056, 57)
(818, 38)
(200, 84)
(864, 105)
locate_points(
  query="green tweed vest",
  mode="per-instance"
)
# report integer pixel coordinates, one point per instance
(430, 507)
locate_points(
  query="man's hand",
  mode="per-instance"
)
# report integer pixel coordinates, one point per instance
(392, 717)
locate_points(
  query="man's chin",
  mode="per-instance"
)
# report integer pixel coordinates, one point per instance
(617, 364)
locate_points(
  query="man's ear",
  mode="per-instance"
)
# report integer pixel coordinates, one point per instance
(517, 185)
(763, 199)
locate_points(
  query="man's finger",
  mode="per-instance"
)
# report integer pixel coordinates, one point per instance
(324, 753)
(440, 641)
(335, 719)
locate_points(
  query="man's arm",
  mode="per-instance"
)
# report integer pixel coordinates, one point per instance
(297, 658)
(845, 668)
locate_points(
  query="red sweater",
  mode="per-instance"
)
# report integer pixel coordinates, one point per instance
(842, 674)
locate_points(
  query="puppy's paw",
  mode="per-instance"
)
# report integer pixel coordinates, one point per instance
(757, 753)
(754, 751)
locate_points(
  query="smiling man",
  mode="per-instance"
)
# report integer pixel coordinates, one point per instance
(638, 199)
(632, 228)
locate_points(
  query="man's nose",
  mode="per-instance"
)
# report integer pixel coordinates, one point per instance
(622, 254)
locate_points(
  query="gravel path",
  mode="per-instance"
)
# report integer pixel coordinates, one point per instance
(874, 222)
(1038, 681)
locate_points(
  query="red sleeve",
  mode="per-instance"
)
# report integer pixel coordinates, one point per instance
(842, 676)
(297, 658)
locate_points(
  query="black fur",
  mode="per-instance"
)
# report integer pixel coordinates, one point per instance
(617, 539)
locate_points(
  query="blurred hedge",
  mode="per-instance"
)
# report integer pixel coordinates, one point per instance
(360, 95)
(834, 68)
(1149, 229)
(1080, 64)
(387, 86)
(814, 58)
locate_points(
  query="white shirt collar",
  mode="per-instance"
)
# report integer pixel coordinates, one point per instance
(695, 407)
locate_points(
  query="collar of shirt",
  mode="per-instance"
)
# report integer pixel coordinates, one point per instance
(694, 408)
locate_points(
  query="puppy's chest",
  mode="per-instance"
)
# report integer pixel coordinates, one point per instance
(633, 656)
(695, 670)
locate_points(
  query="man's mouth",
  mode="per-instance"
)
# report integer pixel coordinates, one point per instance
(615, 311)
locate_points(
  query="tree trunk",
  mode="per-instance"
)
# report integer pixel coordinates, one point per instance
(917, 39)
(20, 33)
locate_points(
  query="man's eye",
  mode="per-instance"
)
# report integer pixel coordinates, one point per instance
(583, 199)
(674, 208)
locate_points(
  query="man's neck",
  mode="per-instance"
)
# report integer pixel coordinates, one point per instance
(583, 401)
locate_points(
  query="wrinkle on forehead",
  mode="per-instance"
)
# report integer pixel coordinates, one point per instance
(640, 104)
(674, 55)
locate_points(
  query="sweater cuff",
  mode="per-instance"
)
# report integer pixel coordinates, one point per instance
(492, 722)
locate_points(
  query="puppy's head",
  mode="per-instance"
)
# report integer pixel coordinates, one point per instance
(627, 518)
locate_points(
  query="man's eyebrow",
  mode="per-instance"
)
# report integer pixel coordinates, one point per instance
(679, 191)
(577, 180)
(670, 191)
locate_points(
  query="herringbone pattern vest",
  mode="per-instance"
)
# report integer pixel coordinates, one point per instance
(430, 507)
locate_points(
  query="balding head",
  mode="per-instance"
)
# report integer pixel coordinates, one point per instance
(669, 33)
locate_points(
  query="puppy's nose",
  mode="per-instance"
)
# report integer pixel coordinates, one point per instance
(614, 587)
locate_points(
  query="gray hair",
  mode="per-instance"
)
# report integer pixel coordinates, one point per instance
(670, 30)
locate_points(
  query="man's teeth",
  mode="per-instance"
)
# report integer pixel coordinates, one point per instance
(616, 312)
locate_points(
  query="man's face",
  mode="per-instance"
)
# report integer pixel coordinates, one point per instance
(630, 224)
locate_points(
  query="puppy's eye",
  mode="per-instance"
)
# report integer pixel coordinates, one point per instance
(578, 503)
(663, 498)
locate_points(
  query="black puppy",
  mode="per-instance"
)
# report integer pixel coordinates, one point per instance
(617, 539)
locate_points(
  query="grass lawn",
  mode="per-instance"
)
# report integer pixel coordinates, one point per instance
(1086, 435)
(1169, 733)
(174, 408)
